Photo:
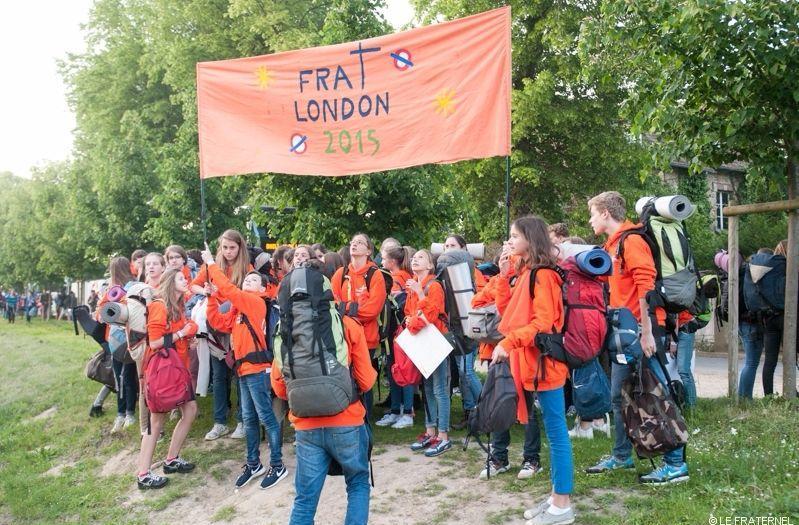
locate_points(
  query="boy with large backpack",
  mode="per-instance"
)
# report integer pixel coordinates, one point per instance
(246, 321)
(323, 368)
(632, 285)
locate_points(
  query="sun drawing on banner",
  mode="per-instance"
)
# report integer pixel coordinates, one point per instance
(445, 102)
(263, 77)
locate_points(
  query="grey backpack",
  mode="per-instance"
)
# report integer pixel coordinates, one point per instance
(484, 324)
(310, 349)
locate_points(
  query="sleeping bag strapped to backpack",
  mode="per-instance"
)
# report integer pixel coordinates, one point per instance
(677, 278)
(455, 271)
(764, 284)
(310, 349)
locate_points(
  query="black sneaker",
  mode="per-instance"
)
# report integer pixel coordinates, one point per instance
(95, 411)
(151, 481)
(249, 473)
(273, 476)
(179, 465)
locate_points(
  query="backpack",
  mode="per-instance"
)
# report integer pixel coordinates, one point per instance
(455, 271)
(390, 315)
(118, 344)
(100, 369)
(651, 418)
(677, 278)
(708, 289)
(590, 390)
(623, 338)
(95, 330)
(496, 407)
(764, 284)
(403, 370)
(167, 381)
(138, 297)
(311, 351)
(484, 324)
(585, 304)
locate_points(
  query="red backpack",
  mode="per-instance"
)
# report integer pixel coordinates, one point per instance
(403, 370)
(167, 382)
(585, 302)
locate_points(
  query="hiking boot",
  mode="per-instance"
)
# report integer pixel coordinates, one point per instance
(130, 419)
(249, 473)
(151, 481)
(538, 509)
(666, 474)
(96, 411)
(118, 422)
(529, 469)
(608, 463)
(438, 447)
(494, 468)
(387, 420)
(604, 427)
(579, 432)
(404, 421)
(239, 432)
(548, 518)
(217, 431)
(422, 442)
(178, 465)
(273, 476)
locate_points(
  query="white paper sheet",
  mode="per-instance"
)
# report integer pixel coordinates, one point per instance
(426, 349)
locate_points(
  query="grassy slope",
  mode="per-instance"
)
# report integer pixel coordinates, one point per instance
(749, 471)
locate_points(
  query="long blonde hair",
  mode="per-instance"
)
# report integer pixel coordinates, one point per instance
(240, 266)
(168, 292)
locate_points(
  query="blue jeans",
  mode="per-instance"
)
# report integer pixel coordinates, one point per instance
(622, 447)
(470, 384)
(752, 340)
(127, 387)
(772, 340)
(256, 404)
(223, 376)
(685, 352)
(532, 436)
(560, 446)
(436, 389)
(401, 396)
(315, 449)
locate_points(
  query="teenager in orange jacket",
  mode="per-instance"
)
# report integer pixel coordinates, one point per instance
(231, 256)
(523, 318)
(632, 281)
(165, 315)
(249, 344)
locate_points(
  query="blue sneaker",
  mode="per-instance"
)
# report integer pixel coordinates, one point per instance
(273, 476)
(249, 473)
(608, 463)
(665, 474)
(438, 447)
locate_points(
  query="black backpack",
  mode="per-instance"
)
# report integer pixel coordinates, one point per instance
(764, 284)
(496, 407)
(391, 316)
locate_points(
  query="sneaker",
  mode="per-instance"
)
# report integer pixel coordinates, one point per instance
(609, 463)
(179, 465)
(239, 432)
(579, 432)
(666, 474)
(95, 411)
(129, 420)
(217, 431)
(388, 420)
(273, 476)
(118, 422)
(538, 509)
(422, 442)
(249, 473)
(151, 481)
(547, 518)
(494, 468)
(529, 469)
(604, 427)
(438, 447)
(404, 421)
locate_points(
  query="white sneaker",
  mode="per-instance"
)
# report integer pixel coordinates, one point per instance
(581, 433)
(496, 468)
(239, 433)
(217, 431)
(604, 427)
(118, 424)
(538, 509)
(388, 420)
(129, 420)
(404, 421)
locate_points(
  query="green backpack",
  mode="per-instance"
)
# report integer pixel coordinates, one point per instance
(310, 349)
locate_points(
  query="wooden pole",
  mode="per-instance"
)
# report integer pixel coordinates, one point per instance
(762, 207)
(732, 324)
(789, 342)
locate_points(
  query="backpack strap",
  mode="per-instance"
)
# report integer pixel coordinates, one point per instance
(541, 371)
(260, 355)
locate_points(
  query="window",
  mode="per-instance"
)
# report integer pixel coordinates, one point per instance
(722, 200)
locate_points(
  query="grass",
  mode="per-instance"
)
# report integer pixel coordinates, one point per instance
(744, 459)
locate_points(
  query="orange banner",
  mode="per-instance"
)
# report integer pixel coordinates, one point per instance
(437, 94)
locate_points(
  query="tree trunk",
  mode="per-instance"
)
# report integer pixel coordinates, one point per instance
(732, 293)
(789, 342)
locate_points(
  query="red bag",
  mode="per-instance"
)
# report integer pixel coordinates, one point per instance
(167, 381)
(403, 370)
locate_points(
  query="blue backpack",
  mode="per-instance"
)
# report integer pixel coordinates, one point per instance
(590, 390)
(764, 284)
(622, 339)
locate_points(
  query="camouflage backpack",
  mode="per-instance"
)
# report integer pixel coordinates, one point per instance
(652, 420)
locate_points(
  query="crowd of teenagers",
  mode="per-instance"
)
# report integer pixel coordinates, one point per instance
(33, 303)
(238, 343)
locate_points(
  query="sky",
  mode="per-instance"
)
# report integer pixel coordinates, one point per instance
(35, 121)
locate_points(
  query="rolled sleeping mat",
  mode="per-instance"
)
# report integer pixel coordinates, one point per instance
(477, 250)
(116, 293)
(460, 279)
(722, 260)
(672, 207)
(114, 313)
(567, 249)
(595, 262)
